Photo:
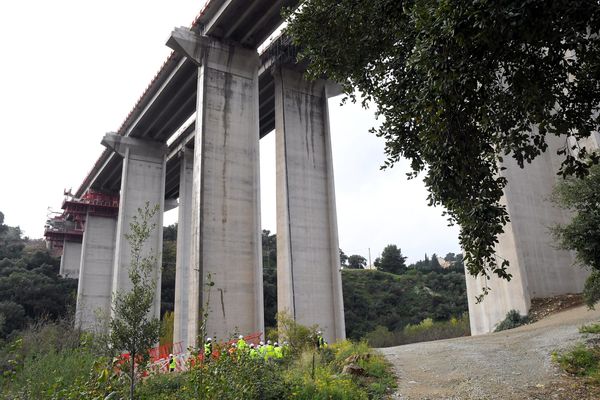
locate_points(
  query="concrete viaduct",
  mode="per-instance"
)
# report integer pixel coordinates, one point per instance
(194, 136)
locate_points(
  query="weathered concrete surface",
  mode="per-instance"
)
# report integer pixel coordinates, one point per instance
(226, 241)
(508, 365)
(182, 266)
(95, 275)
(142, 181)
(308, 276)
(70, 260)
(539, 269)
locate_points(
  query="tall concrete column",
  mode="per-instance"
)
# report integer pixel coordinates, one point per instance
(70, 259)
(309, 285)
(226, 240)
(142, 181)
(538, 267)
(95, 275)
(182, 266)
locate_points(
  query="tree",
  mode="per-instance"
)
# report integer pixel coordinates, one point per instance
(343, 259)
(132, 328)
(582, 198)
(460, 85)
(391, 260)
(356, 261)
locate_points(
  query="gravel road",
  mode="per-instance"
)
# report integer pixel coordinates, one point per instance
(513, 364)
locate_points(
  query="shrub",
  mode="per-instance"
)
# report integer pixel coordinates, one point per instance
(513, 319)
(425, 331)
(580, 361)
(592, 328)
(591, 289)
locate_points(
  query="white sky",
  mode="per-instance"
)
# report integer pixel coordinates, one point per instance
(72, 70)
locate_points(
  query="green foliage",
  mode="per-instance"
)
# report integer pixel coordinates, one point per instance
(132, 328)
(373, 298)
(582, 234)
(167, 280)
(356, 261)
(391, 260)
(52, 360)
(513, 320)
(591, 289)
(30, 287)
(461, 84)
(299, 337)
(426, 330)
(166, 328)
(269, 252)
(580, 360)
(591, 328)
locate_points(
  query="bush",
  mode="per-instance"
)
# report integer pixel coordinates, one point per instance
(513, 319)
(591, 289)
(592, 328)
(426, 330)
(580, 361)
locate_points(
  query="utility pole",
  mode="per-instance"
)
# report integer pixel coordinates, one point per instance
(370, 265)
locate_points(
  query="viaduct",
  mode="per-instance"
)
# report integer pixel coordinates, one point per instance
(194, 136)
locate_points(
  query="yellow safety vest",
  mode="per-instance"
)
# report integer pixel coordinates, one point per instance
(278, 352)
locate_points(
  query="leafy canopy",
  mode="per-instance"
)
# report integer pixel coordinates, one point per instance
(582, 234)
(391, 260)
(459, 85)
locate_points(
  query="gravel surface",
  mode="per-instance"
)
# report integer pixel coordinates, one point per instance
(513, 364)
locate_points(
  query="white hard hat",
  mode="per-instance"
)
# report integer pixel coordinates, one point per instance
(251, 345)
(208, 339)
(276, 344)
(319, 332)
(241, 337)
(262, 343)
(268, 342)
(170, 355)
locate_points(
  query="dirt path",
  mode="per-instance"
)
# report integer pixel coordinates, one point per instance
(514, 364)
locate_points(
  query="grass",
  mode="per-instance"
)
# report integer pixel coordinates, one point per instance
(425, 331)
(580, 360)
(591, 328)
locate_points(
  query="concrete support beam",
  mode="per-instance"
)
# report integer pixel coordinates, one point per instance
(70, 260)
(539, 269)
(142, 181)
(183, 271)
(226, 240)
(309, 285)
(95, 274)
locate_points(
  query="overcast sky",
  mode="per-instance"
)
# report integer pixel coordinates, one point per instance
(72, 70)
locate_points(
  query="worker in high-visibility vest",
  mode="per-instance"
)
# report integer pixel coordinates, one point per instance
(262, 350)
(321, 343)
(208, 348)
(278, 351)
(241, 344)
(172, 363)
(253, 352)
(269, 351)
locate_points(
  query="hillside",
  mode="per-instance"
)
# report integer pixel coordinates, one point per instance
(373, 298)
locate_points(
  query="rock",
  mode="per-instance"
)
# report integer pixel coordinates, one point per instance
(353, 369)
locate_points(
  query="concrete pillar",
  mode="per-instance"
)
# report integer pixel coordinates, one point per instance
(226, 240)
(142, 181)
(70, 260)
(182, 267)
(309, 286)
(539, 269)
(95, 274)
